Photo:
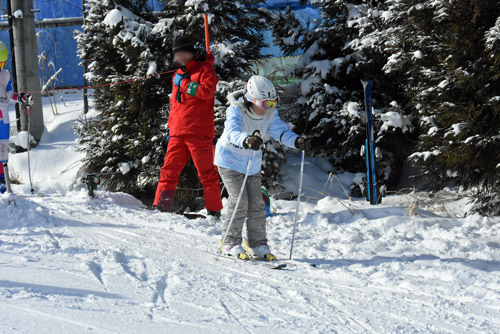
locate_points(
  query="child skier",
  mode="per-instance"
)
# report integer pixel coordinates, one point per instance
(191, 127)
(250, 120)
(7, 94)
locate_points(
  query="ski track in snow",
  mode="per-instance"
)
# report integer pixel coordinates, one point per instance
(89, 264)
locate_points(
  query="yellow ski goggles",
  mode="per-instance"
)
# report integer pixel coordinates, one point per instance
(266, 104)
(2, 64)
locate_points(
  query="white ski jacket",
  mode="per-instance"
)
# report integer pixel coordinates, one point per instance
(230, 153)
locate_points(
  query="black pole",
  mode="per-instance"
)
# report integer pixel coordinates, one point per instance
(13, 64)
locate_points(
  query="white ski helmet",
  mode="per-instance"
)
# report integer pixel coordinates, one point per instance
(261, 91)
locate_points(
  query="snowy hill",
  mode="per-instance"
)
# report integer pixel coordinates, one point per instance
(72, 264)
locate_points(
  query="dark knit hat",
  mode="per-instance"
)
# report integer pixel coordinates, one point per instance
(183, 43)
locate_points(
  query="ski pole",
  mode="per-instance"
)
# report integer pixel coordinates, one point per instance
(207, 33)
(298, 200)
(240, 195)
(29, 149)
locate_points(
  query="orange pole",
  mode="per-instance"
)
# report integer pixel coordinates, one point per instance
(207, 35)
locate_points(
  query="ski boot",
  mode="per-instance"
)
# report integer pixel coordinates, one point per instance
(261, 252)
(213, 217)
(235, 250)
(166, 200)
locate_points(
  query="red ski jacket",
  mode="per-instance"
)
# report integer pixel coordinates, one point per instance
(194, 115)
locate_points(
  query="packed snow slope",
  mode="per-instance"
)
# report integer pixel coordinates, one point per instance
(72, 264)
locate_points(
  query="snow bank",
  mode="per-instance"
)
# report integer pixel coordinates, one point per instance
(18, 212)
(21, 140)
(55, 162)
(390, 231)
(318, 183)
(120, 199)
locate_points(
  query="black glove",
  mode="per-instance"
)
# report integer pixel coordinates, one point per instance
(302, 144)
(253, 143)
(26, 99)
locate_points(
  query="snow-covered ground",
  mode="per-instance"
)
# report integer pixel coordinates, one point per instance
(72, 264)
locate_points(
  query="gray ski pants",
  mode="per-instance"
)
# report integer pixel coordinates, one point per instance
(251, 207)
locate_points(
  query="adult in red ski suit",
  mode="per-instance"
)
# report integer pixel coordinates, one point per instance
(191, 127)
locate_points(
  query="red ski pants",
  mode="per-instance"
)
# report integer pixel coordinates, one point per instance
(180, 149)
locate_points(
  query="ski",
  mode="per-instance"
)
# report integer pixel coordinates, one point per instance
(193, 216)
(370, 145)
(188, 215)
(274, 265)
(277, 266)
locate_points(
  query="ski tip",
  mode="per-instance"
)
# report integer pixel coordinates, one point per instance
(194, 216)
(279, 266)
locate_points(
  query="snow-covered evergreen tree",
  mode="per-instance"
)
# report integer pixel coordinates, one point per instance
(489, 190)
(123, 140)
(124, 40)
(439, 48)
(236, 38)
(236, 31)
(340, 49)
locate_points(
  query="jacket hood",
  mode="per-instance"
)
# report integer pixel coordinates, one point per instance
(200, 57)
(203, 57)
(208, 57)
(237, 99)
